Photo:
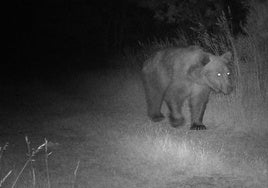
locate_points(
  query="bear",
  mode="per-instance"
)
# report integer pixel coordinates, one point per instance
(174, 75)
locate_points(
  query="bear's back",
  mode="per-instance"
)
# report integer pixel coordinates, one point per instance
(182, 59)
(174, 59)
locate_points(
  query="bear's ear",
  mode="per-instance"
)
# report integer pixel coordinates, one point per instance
(228, 56)
(195, 72)
(204, 59)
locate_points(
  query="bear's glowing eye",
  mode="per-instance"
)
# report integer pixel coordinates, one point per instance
(219, 74)
(228, 74)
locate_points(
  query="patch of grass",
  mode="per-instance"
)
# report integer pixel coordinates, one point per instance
(158, 155)
(22, 179)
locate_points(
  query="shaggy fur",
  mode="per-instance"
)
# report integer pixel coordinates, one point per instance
(176, 74)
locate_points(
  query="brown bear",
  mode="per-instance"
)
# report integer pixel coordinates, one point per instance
(176, 74)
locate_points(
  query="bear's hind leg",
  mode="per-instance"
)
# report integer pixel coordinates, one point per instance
(198, 104)
(154, 103)
(174, 104)
(154, 97)
(176, 119)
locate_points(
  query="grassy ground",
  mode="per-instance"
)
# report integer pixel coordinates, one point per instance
(97, 128)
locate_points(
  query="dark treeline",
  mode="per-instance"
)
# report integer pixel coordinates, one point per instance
(100, 28)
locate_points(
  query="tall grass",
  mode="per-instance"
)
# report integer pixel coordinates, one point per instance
(252, 56)
(6, 175)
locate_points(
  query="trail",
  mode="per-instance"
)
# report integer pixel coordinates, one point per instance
(99, 119)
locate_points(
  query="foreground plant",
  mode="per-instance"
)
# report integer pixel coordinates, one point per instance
(2, 149)
(31, 154)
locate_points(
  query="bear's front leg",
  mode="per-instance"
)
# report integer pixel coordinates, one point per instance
(198, 102)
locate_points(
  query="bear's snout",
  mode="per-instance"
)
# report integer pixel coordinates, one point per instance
(227, 90)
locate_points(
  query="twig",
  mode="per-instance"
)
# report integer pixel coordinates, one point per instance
(2, 149)
(15, 182)
(75, 173)
(4, 179)
(46, 161)
(31, 160)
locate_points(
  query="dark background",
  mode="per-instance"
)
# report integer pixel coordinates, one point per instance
(50, 35)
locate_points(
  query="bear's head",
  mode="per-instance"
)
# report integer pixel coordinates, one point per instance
(216, 73)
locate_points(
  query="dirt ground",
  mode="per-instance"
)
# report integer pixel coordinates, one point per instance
(100, 136)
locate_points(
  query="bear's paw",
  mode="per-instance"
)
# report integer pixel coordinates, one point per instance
(157, 117)
(176, 122)
(196, 126)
